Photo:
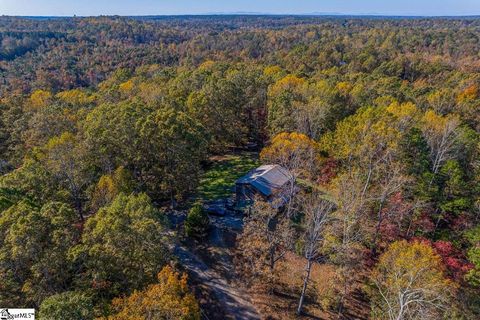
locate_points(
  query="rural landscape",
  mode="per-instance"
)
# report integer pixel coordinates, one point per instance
(240, 167)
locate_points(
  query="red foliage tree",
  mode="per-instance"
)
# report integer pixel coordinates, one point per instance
(453, 259)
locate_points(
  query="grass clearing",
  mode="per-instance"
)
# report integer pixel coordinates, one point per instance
(218, 181)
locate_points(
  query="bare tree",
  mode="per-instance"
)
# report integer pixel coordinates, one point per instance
(348, 229)
(390, 181)
(317, 213)
(442, 101)
(312, 118)
(441, 134)
(266, 238)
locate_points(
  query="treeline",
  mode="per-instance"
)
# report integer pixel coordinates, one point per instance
(85, 51)
(105, 127)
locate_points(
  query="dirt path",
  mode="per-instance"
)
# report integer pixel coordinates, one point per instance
(234, 303)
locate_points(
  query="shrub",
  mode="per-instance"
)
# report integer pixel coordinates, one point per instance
(197, 222)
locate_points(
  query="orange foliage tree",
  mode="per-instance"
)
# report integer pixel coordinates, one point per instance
(170, 298)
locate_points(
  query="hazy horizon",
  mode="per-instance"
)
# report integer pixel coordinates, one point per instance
(206, 14)
(67, 8)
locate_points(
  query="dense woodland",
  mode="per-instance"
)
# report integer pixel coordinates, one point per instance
(107, 123)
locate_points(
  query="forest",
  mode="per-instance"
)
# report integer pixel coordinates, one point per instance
(110, 125)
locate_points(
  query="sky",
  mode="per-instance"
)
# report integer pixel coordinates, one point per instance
(176, 7)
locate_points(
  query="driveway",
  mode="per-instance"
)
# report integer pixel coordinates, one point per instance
(234, 302)
(213, 270)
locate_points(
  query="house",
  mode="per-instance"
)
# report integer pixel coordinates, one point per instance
(268, 181)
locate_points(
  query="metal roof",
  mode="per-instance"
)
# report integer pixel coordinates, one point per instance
(266, 179)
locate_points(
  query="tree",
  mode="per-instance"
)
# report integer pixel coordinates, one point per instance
(294, 151)
(298, 154)
(48, 122)
(346, 235)
(34, 260)
(441, 101)
(266, 238)
(316, 212)
(10, 197)
(391, 180)
(173, 144)
(411, 284)
(325, 104)
(72, 305)
(109, 186)
(228, 105)
(366, 145)
(34, 181)
(473, 276)
(62, 157)
(75, 97)
(169, 299)
(415, 155)
(469, 93)
(111, 134)
(284, 97)
(455, 194)
(441, 135)
(366, 141)
(123, 246)
(40, 99)
(197, 222)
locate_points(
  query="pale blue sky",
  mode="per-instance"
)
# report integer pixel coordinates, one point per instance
(167, 7)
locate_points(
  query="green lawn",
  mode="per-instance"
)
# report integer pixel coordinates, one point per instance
(219, 180)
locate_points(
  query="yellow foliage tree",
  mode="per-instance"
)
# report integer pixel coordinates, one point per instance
(40, 98)
(411, 284)
(207, 65)
(286, 96)
(287, 83)
(442, 101)
(363, 138)
(149, 92)
(169, 299)
(63, 157)
(344, 88)
(273, 71)
(75, 96)
(298, 154)
(294, 151)
(109, 186)
(405, 115)
(126, 86)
